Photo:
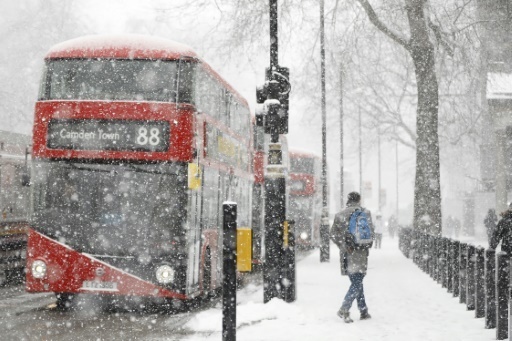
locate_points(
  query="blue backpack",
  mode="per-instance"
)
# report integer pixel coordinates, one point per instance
(360, 230)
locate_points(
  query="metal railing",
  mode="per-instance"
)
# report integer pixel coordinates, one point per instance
(480, 278)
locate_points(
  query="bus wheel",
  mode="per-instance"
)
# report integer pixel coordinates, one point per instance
(64, 301)
(207, 274)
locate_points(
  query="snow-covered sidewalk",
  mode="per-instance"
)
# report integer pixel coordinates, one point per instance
(405, 304)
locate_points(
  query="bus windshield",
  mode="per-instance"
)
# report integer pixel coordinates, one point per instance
(301, 211)
(115, 210)
(116, 80)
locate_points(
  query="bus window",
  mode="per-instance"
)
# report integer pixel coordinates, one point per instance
(116, 80)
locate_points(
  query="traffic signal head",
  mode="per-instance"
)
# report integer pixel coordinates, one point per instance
(275, 94)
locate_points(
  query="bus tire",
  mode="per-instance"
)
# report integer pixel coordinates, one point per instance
(64, 300)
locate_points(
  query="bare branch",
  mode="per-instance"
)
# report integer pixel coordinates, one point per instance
(381, 26)
(439, 37)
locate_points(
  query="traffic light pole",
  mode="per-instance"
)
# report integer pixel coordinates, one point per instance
(274, 62)
(277, 283)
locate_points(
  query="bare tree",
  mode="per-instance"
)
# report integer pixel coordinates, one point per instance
(27, 32)
(427, 189)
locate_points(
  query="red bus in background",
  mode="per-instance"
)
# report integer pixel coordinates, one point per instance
(136, 143)
(305, 198)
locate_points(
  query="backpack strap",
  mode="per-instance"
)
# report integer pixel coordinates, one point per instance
(351, 215)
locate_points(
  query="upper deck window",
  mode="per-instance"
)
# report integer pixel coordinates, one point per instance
(302, 165)
(116, 80)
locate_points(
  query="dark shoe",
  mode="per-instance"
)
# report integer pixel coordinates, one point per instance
(345, 315)
(365, 315)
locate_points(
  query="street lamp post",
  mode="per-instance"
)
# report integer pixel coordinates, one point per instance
(341, 139)
(396, 166)
(379, 161)
(324, 225)
(360, 153)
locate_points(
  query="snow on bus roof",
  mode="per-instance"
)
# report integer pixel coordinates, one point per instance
(132, 46)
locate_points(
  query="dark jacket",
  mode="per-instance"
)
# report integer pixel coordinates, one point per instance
(356, 260)
(503, 233)
(490, 222)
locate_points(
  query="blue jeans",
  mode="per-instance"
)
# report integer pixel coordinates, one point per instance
(355, 292)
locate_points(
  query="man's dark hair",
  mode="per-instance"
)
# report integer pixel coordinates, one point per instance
(353, 197)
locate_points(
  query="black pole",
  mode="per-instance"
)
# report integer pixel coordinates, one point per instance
(449, 268)
(324, 227)
(275, 121)
(422, 251)
(490, 289)
(379, 194)
(502, 282)
(360, 150)
(419, 249)
(275, 191)
(470, 278)
(426, 253)
(437, 260)
(480, 283)
(341, 141)
(431, 256)
(274, 61)
(289, 274)
(444, 261)
(463, 270)
(409, 250)
(229, 272)
(440, 255)
(397, 186)
(414, 246)
(456, 268)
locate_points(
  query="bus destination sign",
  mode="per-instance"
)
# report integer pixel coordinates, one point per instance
(115, 135)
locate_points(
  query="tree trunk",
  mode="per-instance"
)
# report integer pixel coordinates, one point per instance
(427, 189)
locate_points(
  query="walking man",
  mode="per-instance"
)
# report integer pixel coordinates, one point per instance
(353, 258)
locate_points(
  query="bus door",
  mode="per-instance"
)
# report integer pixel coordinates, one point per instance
(194, 226)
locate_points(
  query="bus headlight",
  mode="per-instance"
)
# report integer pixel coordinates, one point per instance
(38, 269)
(164, 274)
(304, 235)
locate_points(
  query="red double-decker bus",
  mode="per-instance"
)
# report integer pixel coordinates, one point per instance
(136, 143)
(305, 198)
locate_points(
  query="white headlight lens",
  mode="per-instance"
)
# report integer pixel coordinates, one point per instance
(38, 269)
(304, 235)
(164, 274)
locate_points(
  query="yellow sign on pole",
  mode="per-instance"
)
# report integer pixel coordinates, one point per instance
(194, 176)
(244, 249)
(285, 234)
